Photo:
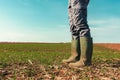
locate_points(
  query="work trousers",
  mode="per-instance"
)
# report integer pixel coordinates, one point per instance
(77, 10)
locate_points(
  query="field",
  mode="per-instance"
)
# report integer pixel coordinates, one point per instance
(114, 46)
(42, 61)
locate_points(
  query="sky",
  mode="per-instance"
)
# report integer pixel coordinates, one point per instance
(47, 21)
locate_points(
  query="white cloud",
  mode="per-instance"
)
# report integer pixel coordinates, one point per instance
(11, 32)
(106, 30)
(102, 31)
(60, 33)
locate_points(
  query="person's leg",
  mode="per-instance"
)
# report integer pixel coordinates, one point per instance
(75, 52)
(79, 17)
(82, 28)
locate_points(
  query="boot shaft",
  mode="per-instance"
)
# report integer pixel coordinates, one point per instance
(86, 46)
(75, 48)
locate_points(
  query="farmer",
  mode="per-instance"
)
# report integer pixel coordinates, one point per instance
(81, 45)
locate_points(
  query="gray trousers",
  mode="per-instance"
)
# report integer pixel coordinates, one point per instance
(77, 10)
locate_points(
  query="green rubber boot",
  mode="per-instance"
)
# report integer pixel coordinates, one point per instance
(75, 52)
(86, 46)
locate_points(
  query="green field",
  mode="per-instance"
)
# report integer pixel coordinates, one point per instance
(42, 61)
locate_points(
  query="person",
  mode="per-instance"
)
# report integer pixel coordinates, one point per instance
(82, 43)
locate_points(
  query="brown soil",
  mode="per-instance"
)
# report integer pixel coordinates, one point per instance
(114, 46)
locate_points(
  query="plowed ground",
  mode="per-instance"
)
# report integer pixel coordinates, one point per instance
(113, 46)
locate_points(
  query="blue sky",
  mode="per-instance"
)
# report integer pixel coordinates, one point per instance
(47, 21)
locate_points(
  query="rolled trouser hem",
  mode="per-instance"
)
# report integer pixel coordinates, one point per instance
(76, 37)
(85, 35)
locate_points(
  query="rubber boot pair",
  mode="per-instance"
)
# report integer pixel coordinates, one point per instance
(85, 55)
(86, 47)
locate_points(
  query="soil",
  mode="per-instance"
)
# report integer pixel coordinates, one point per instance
(114, 46)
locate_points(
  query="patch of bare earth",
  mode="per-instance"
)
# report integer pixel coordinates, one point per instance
(114, 46)
(26, 71)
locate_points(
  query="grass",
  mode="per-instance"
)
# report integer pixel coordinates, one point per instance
(40, 53)
(47, 54)
(105, 53)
